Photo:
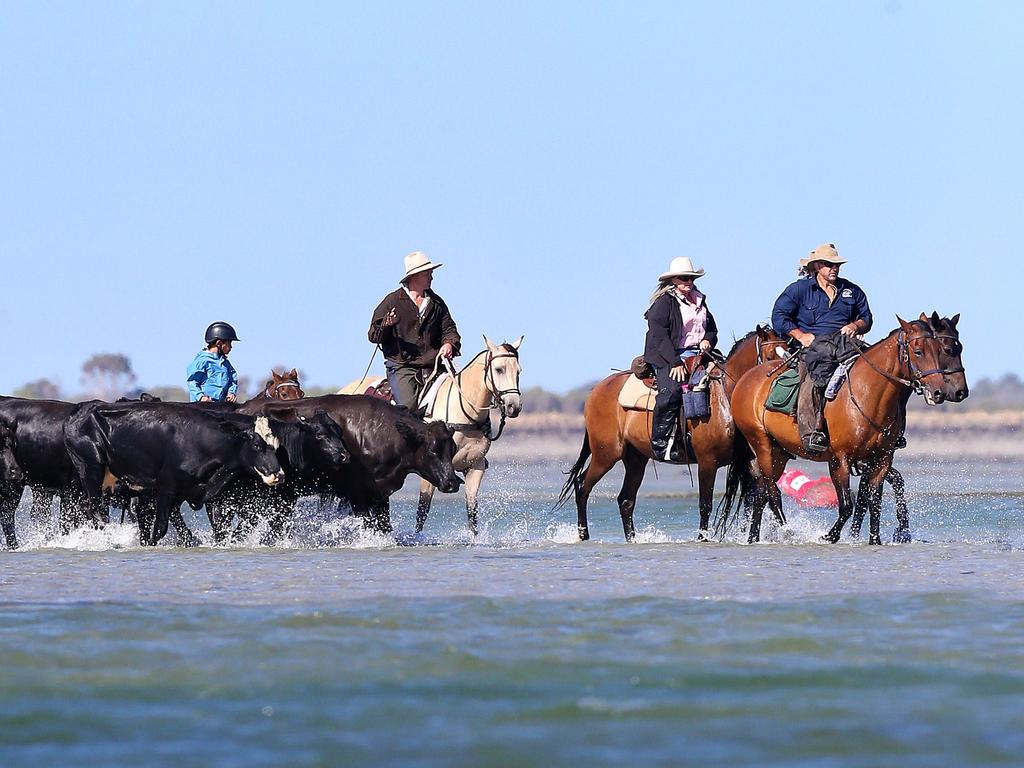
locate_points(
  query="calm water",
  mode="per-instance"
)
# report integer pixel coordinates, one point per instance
(526, 647)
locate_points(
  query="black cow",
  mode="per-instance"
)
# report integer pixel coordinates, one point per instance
(37, 428)
(183, 453)
(10, 472)
(312, 451)
(386, 444)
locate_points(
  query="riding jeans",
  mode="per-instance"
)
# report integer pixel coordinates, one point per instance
(406, 383)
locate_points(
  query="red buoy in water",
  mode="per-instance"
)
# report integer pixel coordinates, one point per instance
(808, 491)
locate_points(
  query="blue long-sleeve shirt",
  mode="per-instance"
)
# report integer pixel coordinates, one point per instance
(805, 305)
(211, 374)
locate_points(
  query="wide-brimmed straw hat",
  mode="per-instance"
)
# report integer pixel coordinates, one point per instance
(416, 262)
(826, 252)
(681, 266)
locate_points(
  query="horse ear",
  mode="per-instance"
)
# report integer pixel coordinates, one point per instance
(954, 320)
(936, 321)
(904, 324)
(517, 342)
(293, 374)
(490, 344)
(923, 318)
(277, 377)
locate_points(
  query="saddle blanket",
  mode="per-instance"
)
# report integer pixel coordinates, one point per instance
(636, 395)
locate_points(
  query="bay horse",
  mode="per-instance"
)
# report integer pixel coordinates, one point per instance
(464, 401)
(864, 421)
(281, 386)
(613, 434)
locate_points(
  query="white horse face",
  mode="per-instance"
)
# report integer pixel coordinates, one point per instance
(503, 376)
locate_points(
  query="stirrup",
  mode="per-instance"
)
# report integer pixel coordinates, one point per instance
(816, 442)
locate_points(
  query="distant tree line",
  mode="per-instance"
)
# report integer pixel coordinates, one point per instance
(108, 376)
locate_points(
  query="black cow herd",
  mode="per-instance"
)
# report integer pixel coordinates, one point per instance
(238, 460)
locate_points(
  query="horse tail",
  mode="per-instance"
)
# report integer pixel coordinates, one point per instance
(738, 482)
(576, 473)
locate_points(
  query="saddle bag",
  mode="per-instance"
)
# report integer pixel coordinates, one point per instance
(696, 405)
(782, 397)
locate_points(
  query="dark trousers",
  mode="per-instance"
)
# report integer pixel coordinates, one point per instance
(406, 383)
(667, 403)
(819, 362)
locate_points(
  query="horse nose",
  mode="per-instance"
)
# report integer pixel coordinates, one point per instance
(960, 395)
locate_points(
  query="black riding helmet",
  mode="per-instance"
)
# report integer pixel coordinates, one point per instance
(220, 331)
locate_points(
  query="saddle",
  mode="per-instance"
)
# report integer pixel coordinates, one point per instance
(639, 390)
(381, 390)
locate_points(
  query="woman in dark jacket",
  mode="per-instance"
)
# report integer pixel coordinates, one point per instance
(679, 325)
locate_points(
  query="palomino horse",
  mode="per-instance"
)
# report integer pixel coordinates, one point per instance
(464, 402)
(613, 434)
(281, 386)
(864, 422)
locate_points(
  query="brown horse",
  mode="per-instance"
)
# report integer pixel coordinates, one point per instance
(865, 421)
(613, 434)
(281, 386)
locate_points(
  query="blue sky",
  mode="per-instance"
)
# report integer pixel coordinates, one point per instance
(166, 165)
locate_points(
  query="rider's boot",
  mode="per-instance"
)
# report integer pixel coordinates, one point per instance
(810, 417)
(663, 420)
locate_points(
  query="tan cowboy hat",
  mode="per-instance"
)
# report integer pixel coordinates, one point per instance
(681, 266)
(826, 252)
(415, 262)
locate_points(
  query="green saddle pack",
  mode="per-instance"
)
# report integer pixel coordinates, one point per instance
(783, 394)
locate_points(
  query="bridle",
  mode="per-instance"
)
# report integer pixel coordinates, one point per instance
(903, 356)
(271, 391)
(497, 395)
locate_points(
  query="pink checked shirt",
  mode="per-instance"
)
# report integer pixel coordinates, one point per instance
(695, 317)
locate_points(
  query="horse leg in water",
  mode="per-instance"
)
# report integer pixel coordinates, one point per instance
(600, 463)
(636, 464)
(902, 533)
(861, 507)
(771, 463)
(10, 495)
(875, 481)
(423, 507)
(474, 476)
(839, 468)
(706, 472)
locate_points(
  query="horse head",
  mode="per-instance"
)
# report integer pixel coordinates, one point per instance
(501, 375)
(284, 386)
(930, 347)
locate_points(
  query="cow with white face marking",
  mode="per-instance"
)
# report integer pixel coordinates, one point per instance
(182, 453)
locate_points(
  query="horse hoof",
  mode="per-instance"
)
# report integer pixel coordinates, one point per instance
(704, 536)
(829, 538)
(875, 540)
(584, 534)
(901, 536)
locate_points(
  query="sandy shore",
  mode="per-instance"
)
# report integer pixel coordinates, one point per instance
(936, 433)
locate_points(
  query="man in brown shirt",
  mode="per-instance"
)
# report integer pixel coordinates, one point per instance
(413, 326)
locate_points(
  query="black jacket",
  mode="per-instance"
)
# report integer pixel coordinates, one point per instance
(665, 329)
(412, 341)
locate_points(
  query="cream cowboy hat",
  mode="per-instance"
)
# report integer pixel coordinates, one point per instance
(416, 262)
(681, 266)
(826, 252)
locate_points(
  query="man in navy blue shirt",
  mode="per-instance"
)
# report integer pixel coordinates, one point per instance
(824, 313)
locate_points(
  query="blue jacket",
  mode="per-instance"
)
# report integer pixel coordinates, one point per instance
(212, 375)
(805, 306)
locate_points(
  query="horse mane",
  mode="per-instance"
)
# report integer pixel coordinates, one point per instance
(736, 344)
